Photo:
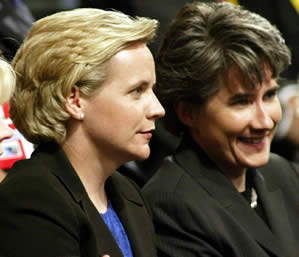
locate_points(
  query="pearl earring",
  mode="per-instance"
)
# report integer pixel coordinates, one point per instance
(82, 116)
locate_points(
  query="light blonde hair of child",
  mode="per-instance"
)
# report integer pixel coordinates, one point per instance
(7, 81)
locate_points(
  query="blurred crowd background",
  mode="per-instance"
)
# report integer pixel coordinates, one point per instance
(283, 13)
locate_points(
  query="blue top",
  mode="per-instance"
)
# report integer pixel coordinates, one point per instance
(116, 227)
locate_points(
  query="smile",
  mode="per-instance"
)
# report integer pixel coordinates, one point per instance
(252, 140)
(255, 141)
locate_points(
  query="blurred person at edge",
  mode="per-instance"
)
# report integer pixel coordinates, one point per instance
(15, 22)
(222, 193)
(7, 85)
(84, 96)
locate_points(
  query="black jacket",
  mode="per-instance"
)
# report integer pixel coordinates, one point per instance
(198, 212)
(45, 211)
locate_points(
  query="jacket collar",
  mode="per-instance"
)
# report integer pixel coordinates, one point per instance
(197, 164)
(57, 162)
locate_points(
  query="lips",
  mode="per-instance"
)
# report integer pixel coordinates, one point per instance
(148, 131)
(252, 140)
(148, 134)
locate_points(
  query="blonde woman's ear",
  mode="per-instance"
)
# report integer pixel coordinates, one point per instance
(73, 104)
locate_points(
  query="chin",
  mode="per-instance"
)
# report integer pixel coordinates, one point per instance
(258, 162)
(143, 157)
(141, 154)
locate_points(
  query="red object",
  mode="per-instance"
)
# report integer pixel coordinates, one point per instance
(13, 151)
(15, 148)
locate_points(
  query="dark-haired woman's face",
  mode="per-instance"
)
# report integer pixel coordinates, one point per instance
(237, 125)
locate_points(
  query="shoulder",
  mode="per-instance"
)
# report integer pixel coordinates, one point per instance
(35, 205)
(120, 186)
(168, 178)
(173, 190)
(280, 172)
(25, 174)
(34, 189)
(30, 176)
(173, 197)
(121, 181)
(278, 165)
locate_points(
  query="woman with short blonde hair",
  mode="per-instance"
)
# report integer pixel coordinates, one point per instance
(84, 96)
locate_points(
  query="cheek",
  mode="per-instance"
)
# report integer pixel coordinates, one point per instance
(232, 124)
(220, 132)
(274, 111)
(128, 117)
(277, 112)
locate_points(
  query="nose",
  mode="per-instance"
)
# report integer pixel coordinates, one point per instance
(156, 109)
(262, 118)
(5, 133)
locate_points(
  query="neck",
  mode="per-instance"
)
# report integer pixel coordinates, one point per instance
(92, 170)
(239, 182)
(238, 178)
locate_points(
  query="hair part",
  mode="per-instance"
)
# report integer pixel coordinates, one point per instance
(62, 50)
(202, 44)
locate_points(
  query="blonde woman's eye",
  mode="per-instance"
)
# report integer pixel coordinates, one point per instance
(138, 90)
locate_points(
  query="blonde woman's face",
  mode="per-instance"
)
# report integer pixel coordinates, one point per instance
(5, 133)
(120, 118)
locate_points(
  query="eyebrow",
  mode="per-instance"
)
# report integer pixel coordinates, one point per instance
(240, 96)
(245, 95)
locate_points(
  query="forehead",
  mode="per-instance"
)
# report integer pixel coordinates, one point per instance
(236, 81)
(131, 60)
(130, 66)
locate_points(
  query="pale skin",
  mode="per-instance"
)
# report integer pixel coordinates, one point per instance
(5, 133)
(236, 125)
(118, 121)
(2, 175)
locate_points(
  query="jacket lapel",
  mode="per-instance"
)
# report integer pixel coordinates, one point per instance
(127, 203)
(275, 210)
(59, 165)
(105, 240)
(196, 163)
(131, 211)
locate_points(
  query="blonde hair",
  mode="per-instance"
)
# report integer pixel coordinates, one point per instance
(65, 49)
(7, 81)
